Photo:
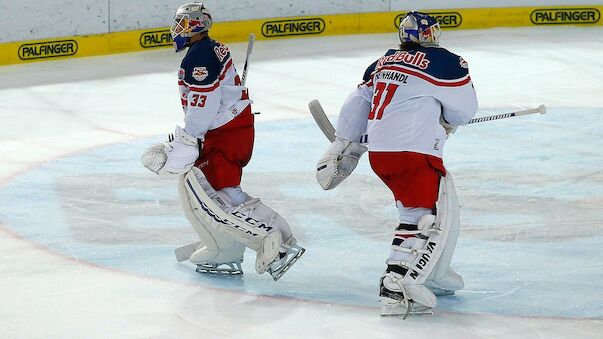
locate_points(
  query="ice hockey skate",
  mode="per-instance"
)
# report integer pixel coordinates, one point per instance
(285, 260)
(397, 299)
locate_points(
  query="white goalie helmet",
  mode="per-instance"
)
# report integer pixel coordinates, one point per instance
(190, 19)
(419, 28)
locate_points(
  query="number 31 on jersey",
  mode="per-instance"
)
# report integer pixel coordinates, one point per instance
(379, 102)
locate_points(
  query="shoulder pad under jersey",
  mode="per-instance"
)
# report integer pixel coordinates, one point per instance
(205, 61)
(369, 71)
(436, 62)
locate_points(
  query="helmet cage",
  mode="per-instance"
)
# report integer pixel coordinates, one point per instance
(186, 27)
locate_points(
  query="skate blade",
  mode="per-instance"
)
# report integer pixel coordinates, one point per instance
(222, 269)
(396, 308)
(442, 293)
(278, 273)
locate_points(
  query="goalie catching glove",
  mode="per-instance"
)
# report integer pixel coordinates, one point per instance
(338, 162)
(175, 156)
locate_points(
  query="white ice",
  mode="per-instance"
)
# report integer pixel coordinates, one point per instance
(86, 234)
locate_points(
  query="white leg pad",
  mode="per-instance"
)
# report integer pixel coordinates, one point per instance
(425, 254)
(268, 252)
(433, 260)
(215, 247)
(251, 223)
(214, 211)
(448, 210)
(446, 285)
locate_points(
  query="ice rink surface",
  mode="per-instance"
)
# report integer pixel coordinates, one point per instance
(87, 234)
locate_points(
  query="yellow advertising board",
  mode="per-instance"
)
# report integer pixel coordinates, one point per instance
(356, 23)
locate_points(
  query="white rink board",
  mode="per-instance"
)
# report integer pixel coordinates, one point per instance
(32, 20)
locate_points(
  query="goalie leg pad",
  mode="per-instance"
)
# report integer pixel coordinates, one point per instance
(275, 254)
(252, 223)
(447, 285)
(215, 247)
(422, 253)
(447, 218)
(218, 214)
(433, 259)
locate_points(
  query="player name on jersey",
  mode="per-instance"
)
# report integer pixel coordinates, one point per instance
(48, 49)
(566, 16)
(392, 75)
(293, 27)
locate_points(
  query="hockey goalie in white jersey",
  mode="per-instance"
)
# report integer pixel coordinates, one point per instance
(410, 100)
(209, 154)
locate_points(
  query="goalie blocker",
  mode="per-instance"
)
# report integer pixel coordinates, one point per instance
(338, 162)
(226, 230)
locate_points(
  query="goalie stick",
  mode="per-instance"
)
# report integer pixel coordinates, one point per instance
(246, 66)
(327, 128)
(321, 119)
(249, 50)
(541, 109)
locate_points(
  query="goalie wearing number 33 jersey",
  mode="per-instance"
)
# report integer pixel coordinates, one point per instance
(411, 99)
(209, 154)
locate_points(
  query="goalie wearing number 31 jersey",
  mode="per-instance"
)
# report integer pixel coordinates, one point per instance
(410, 100)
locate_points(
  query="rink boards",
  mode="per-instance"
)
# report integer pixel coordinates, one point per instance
(356, 23)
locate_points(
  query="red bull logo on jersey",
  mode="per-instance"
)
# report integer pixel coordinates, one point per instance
(48, 49)
(567, 16)
(155, 39)
(418, 59)
(200, 73)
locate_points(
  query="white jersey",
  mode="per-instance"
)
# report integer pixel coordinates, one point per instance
(210, 88)
(404, 94)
